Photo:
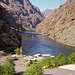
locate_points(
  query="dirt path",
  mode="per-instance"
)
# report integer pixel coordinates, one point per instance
(18, 65)
(59, 71)
(68, 67)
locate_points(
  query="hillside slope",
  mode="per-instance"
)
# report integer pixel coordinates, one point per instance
(23, 12)
(9, 38)
(61, 24)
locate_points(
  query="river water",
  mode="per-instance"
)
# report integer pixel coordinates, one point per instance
(34, 43)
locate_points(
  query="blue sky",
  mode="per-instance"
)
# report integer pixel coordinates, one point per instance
(47, 4)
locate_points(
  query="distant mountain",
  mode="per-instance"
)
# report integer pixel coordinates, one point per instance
(60, 25)
(47, 12)
(23, 12)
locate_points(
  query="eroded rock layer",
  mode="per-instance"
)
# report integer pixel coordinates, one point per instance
(61, 24)
(23, 12)
(9, 38)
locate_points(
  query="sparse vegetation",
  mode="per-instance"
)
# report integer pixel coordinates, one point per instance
(39, 30)
(61, 59)
(20, 30)
(71, 58)
(1, 70)
(8, 67)
(34, 69)
(48, 62)
(27, 64)
(17, 51)
(54, 36)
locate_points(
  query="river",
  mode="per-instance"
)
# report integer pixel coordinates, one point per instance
(35, 43)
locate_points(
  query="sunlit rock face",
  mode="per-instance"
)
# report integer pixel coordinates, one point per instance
(24, 12)
(60, 25)
(47, 12)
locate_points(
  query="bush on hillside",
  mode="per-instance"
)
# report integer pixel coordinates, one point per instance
(8, 67)
(34, 69)
(1, 70)
(61, 59)
(17, 51)
(48, 62)
(71, 58)
(45, 62)
(10, 60)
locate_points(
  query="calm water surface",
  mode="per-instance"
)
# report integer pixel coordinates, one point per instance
(34, 44)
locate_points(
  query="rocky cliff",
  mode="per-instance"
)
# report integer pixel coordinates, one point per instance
(61, 24)
(9, 38)
(23, 12)
(47, 12)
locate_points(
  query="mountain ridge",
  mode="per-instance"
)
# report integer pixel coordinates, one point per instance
(9, 37)
(24, 12)
(47, 12)
(60, 24)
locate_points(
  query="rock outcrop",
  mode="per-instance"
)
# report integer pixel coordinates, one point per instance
(47, 12)
(23, 12)
(9, 38)
(61, 24)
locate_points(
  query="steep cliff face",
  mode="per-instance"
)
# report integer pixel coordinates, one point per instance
(60, 25)
(24, 12)
(47, 12)
(9, 38)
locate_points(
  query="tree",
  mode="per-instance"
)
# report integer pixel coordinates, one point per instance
(8, 67)
(17, 51)
(1, 70)
(61, 59)
(34, 69)
(71, 58)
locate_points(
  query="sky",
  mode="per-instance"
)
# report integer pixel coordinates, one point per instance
(47, 4)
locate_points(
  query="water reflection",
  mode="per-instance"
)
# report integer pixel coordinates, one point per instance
(33, 44)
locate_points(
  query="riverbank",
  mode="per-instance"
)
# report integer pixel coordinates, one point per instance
(62, 70)
(64, 38)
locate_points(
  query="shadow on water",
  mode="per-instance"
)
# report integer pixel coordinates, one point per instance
(34, 44)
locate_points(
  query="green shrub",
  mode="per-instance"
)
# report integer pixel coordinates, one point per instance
(39, 30)
(53, 62)
(1, 70)
(25, 61)
(8, 67)
(27, 64)
(71, 58)
(45, 62)
(54, 36)
(17, 51)
(61, 59)
(47, 66)
(20, 30)
(34, 69)
(10, 60)
(48, 62)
